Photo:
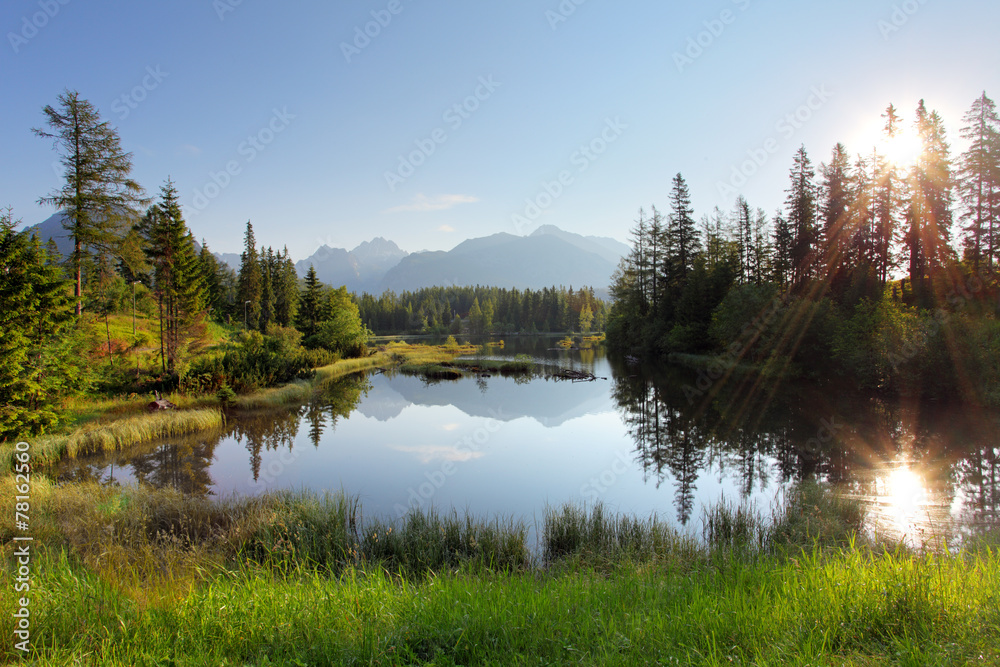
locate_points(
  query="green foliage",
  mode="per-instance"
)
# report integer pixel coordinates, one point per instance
(40, 355)
(257, 362)
(341, 330)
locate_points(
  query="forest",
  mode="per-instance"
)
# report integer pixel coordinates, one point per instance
(140, 306)
(880, 270)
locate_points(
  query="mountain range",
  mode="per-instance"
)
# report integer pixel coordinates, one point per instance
(548, 257)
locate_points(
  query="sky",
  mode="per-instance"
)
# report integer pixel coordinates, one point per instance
(431, 122)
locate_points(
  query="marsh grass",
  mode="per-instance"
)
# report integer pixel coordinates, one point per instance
(136, 576)
(115, 424)
(117, 435)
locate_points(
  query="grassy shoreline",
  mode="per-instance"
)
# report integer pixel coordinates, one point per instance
(129, 576)
(106, 425)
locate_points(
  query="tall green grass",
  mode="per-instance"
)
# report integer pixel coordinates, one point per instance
(136, 576)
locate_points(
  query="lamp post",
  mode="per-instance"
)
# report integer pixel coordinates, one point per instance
(245, 304)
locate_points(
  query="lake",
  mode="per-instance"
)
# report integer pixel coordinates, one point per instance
(641, 439)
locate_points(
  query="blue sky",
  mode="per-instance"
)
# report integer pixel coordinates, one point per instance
(585, 108)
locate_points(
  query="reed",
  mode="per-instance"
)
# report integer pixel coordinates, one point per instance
(136, 576)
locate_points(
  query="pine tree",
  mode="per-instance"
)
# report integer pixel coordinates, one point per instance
(836, 233)
(929, 210)
(178, 277)
(38, 362)
(682, 236)
(98, 197)
(250, 287)
(286, 290)
(781, 264)
(801, 210)
(743, 235)
(889, 193)
(267, 302)
(310, 315)
(211, 277)
(979, 182)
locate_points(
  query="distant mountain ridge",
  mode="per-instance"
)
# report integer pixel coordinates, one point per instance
(360, 270)
(548, 257)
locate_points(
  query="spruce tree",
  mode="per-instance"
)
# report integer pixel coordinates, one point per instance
(835, 231)
(286, 290)
(800, 206)
(929, 209)
(781, 264)
(889, 193)
(39, 361)
(267, 271)
(178, 277)
(310, 310)
(250, 283)
(979, 182)
(99, 197)
(683, 236)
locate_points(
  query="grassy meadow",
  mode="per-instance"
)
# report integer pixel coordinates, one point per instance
(128, 576)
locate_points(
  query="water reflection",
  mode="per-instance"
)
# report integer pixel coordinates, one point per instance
(926, 472)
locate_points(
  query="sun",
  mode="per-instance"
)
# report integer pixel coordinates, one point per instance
(902, 150)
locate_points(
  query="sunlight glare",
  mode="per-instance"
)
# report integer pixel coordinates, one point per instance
(903, 150)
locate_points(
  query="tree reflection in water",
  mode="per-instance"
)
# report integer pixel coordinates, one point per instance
(183, 463)
(765, 436)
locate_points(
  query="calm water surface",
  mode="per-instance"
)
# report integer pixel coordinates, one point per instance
(641, 440)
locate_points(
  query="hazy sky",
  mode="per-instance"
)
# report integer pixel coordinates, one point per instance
(447, 118)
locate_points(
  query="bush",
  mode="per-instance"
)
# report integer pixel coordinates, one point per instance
(257, 362)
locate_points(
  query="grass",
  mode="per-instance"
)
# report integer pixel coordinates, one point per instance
(118, 435)
(125, 576)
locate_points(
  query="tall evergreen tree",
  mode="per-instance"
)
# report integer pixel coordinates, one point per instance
(39, 357)
(929, 210)
(267, 272)
(889, 194)
(310, 311)
(683, 237)
(743, 235)
(250, 287)
(781, 263)
(98, 196)
(286, 290)
(979, 182)
(836, 232)
(178, 277)
(800, 206)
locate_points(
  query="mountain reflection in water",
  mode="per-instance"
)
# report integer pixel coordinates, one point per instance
(924, 471)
